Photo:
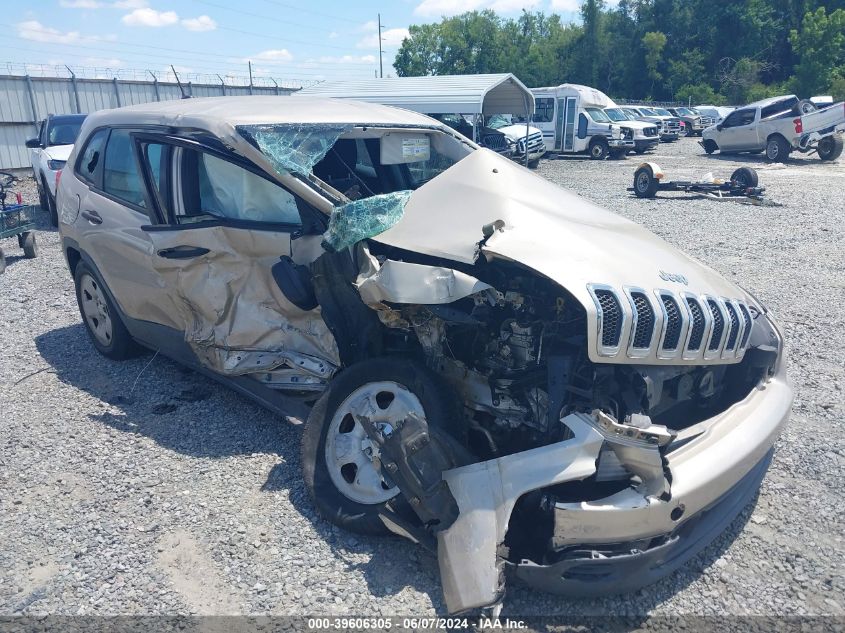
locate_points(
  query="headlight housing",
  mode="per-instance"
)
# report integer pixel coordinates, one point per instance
(56, 165)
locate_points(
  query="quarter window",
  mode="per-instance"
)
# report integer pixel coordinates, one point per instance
(121, 177)
(90, 162)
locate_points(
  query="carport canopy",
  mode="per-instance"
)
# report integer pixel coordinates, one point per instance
(488, 94)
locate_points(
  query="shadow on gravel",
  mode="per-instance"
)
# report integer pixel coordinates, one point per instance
(186, 412)
(760, 159)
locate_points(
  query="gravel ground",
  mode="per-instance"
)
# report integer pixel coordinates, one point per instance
(167, 494)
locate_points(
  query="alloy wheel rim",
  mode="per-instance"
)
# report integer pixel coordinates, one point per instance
(352, 459)
(95, 309)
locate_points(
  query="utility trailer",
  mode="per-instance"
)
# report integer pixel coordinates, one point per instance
(741, 187)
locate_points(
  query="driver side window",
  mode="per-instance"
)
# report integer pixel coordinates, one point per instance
(215, 187)
(740, 118)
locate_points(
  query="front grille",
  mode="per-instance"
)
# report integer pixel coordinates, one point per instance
(611, 313)
(692, 328)
(644, 331)
(534, 143)
(673, 324)
(650, 131)
(627, 133)
(734, 332)
(718, 326)
(496, 142)
(698, 325)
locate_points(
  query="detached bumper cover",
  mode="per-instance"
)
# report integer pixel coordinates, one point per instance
(588, 576)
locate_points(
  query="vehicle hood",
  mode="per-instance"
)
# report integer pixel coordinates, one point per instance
(546, 228)
(635, 125)
(58, 152)
(517, 131)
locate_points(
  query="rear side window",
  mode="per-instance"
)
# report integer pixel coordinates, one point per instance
(121, 177)
(544, 110)
(90, 161)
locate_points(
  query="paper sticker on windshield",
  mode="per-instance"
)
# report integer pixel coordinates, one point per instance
(416, 149)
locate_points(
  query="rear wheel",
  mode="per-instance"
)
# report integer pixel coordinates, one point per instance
(777, 149)
(710, 146)
(830, 147)
(599, 149)
(103, 323)
(745, 177)
(645, 184)
(2, 261)
(805, 106)
(341, 465)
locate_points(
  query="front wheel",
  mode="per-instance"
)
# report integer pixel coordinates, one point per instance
(830, 147)
(341, 465)
(599, 149)
(777, 149)
(710, 146)
(28, 244)
(745, 177)
(49, 203)
(617, 154)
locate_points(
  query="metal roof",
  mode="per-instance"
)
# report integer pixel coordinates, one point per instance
(499, 93)
(589, 96)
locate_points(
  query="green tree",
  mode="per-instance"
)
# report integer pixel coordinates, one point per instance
(820, 47)
(653, 43)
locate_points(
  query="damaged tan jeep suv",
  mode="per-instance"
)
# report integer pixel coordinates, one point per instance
(488, 364)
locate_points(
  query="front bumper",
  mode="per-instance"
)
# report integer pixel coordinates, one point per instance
(594, 575)
(717, 464)
(619, 143)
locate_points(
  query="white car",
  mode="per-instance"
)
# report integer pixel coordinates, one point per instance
(646, 135)
(48, 154)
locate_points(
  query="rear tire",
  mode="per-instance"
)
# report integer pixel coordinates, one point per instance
(777, 149)
(745, 177)
(805, 106)
(101, 319)
(830, 147)
(645, 184)
(354, 505)
(599, 149)
(710, 146)
(30, 248)
(2, 261)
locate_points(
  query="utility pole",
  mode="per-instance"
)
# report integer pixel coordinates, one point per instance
(380, 51)
(249, 63)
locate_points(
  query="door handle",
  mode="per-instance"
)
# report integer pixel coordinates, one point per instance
(92, 216)
(182, 252)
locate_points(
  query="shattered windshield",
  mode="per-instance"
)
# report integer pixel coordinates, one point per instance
(371, 171)
(498, 121)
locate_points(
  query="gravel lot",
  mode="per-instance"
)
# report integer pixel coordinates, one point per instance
(168, 494)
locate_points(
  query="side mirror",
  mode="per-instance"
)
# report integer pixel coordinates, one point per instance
(33, 143)
(719, 127)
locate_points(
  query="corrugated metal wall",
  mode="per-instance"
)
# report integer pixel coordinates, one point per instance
(24, 101)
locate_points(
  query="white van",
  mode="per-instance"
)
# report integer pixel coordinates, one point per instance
(573, 121)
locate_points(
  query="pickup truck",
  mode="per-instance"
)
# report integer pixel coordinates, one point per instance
(779, 126)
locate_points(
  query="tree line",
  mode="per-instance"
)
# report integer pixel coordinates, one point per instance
(706, 51)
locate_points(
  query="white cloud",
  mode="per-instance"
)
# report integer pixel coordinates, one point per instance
(566, 5)
(99, 4)
(345, 59)
(391, 38)
(150, 17)
(372, 25)
(333, 35)
(437, 8)
(201, 23)
(270, 56)
(35, 31)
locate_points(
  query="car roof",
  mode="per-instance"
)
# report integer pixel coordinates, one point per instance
(764, 103)
(211, 112)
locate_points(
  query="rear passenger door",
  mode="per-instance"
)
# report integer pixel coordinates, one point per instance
(114, 207)
(224, 240)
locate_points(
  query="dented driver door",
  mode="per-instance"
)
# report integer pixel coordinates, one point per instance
(228, 226)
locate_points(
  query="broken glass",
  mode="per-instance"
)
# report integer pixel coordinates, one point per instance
(360, 219)
(294, 147)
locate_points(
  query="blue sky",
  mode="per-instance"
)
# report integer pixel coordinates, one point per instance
(290, 40)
